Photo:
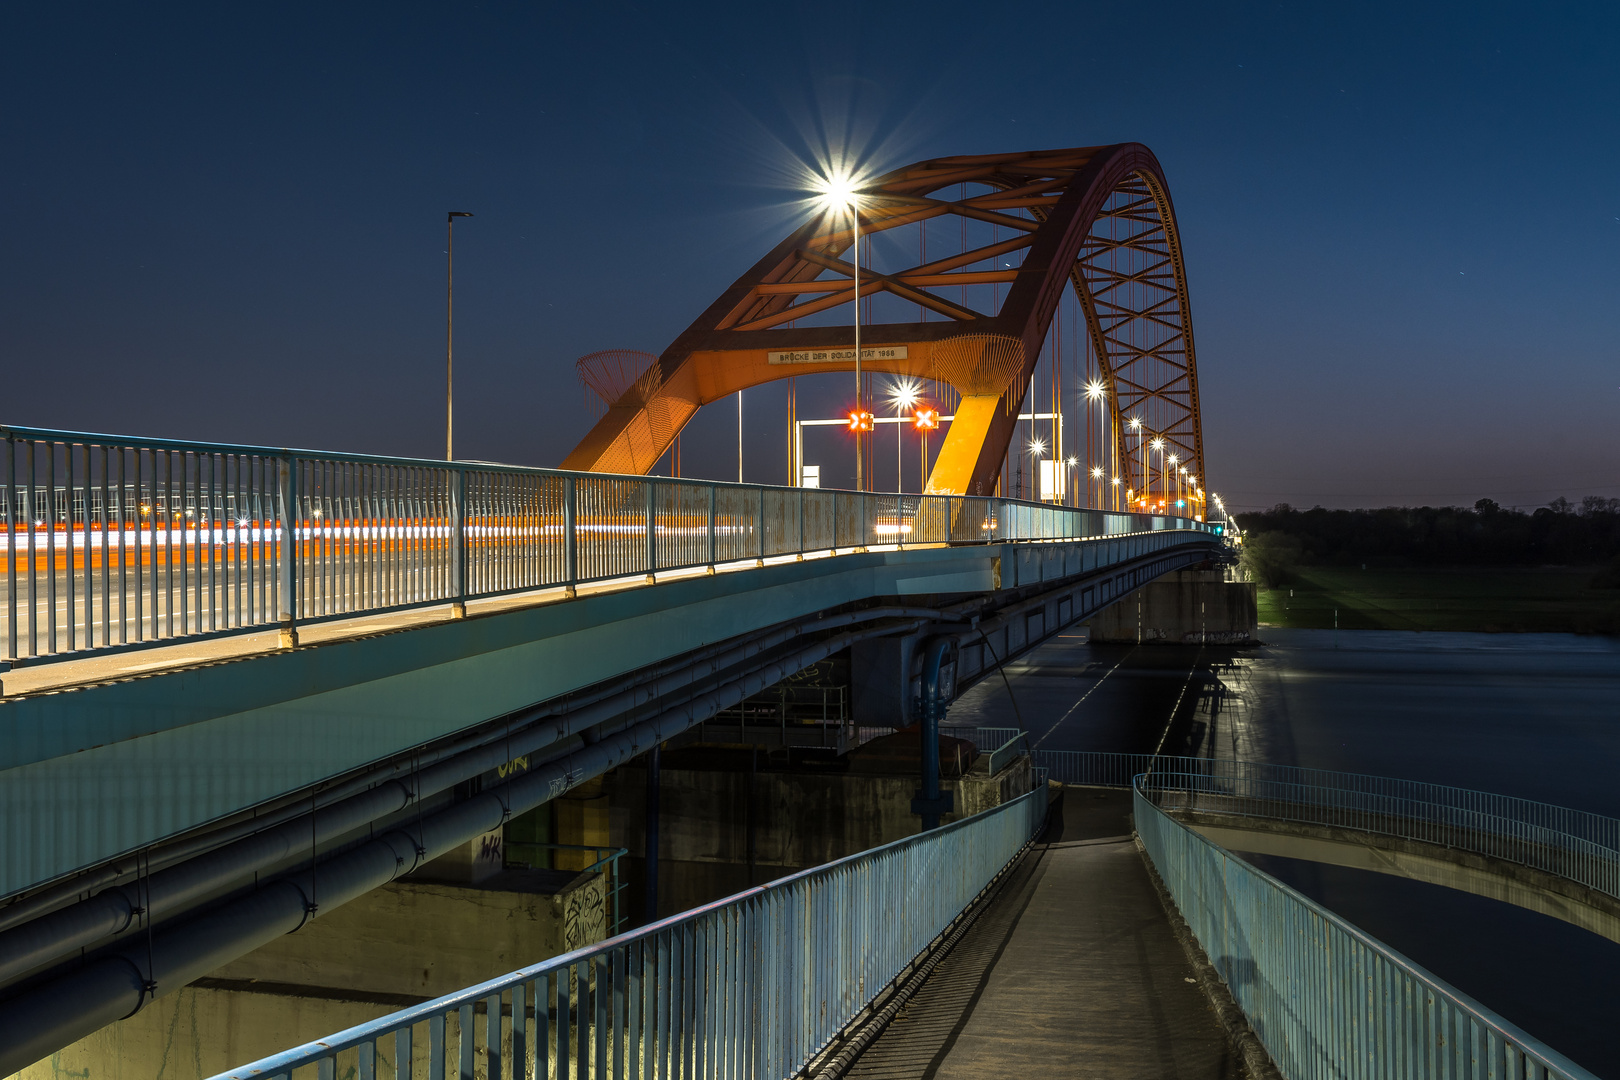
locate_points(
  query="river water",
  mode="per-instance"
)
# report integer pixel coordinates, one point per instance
(1531, 715)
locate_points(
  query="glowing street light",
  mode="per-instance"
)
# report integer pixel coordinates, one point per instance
(904, 393)
(1135, 425)
(1156, 444)
(837, 192)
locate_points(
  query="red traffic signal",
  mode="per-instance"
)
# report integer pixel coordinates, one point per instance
(927, 419)
(860, 420)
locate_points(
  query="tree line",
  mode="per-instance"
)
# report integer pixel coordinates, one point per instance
(1561, 533)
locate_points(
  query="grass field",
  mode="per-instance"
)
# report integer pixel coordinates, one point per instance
(1515, 600)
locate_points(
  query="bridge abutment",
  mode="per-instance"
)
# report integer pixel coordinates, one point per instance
(1185, 607)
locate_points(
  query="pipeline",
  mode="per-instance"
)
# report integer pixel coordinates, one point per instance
(57, 1011)
(113, 911)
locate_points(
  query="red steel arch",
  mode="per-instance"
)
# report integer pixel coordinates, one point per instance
(1095, 219)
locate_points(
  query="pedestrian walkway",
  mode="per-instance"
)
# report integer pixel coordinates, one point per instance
(1072, 971)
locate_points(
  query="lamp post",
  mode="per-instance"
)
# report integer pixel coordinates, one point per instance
(1157, 444)
(450, 333)
(1094, 391)
(1141, 442)
(1036, 449)
(1169, 496)
(1116, 494)
(903, 394)
(839, 191)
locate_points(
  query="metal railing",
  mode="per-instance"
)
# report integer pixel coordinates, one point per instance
(1003, 755)
(114, 542)
(754, 985)
(1571, 844)
(1324, 998)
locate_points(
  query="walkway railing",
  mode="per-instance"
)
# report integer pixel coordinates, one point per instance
(753, 986)
(1570, 844)
(112, 542)
(1323, 997)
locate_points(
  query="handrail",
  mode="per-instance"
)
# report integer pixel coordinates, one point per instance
(111, 542)
(1325, 998)
(1573, 844)
(756, 984)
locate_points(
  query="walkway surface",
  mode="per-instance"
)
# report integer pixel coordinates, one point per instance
(1072, 971)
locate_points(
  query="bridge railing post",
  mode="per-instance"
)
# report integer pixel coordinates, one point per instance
(570, 535)
(652, 527)
(286, 552)
(711, 527)
(761, 513)
(456, 519)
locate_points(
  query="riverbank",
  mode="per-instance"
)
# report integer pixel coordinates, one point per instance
(1506, 600)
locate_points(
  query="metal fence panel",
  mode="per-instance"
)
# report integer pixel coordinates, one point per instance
(1323, 997)
(1573, 844)
(754, 985)
(682, 523)
(113, 542)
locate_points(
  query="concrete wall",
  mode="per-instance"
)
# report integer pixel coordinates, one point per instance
(723, 830)
(200, 1032)
(404, 943)
(1184, 607)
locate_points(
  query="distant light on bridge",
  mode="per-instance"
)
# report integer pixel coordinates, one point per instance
(904, 393)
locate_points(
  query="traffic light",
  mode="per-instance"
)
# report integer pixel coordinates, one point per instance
(927, 419)
(860, 420)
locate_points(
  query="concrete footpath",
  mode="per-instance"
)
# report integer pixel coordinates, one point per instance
(1072, 971)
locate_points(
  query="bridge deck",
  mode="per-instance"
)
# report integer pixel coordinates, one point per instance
(1072, 971)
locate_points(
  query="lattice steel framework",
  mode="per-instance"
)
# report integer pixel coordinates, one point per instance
(1097, 219)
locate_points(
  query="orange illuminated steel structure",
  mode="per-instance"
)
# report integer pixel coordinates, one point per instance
(1097, 219)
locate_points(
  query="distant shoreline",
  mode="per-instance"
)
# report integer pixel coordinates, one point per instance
(1513, 599)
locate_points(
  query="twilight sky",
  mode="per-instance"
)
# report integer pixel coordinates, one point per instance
(1401, 222)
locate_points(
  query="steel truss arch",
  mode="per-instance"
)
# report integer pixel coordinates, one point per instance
(1097, 219)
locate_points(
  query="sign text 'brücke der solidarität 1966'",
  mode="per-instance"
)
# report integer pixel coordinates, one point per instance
(836, 356)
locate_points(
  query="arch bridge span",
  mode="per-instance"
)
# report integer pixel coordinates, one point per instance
(1097, 219)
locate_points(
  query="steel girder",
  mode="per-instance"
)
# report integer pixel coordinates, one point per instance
(1097, 218)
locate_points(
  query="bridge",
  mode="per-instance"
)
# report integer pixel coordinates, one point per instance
(272, 718)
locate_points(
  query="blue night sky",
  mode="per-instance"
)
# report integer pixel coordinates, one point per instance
(1401, 222)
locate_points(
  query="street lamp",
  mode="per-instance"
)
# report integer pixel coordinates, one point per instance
(838, 191)
(1174, 461)
(1157, 444)
(449, 332)
(1136, 426)
(1036, 448)
(1095, 391)
(1115, 482)
(903, 394)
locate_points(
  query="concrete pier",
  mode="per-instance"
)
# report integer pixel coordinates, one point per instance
(1186, 607)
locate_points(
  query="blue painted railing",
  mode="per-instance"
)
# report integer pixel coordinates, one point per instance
(755, 985)
(113, 542)
(1324, 998)
(1572, 844)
